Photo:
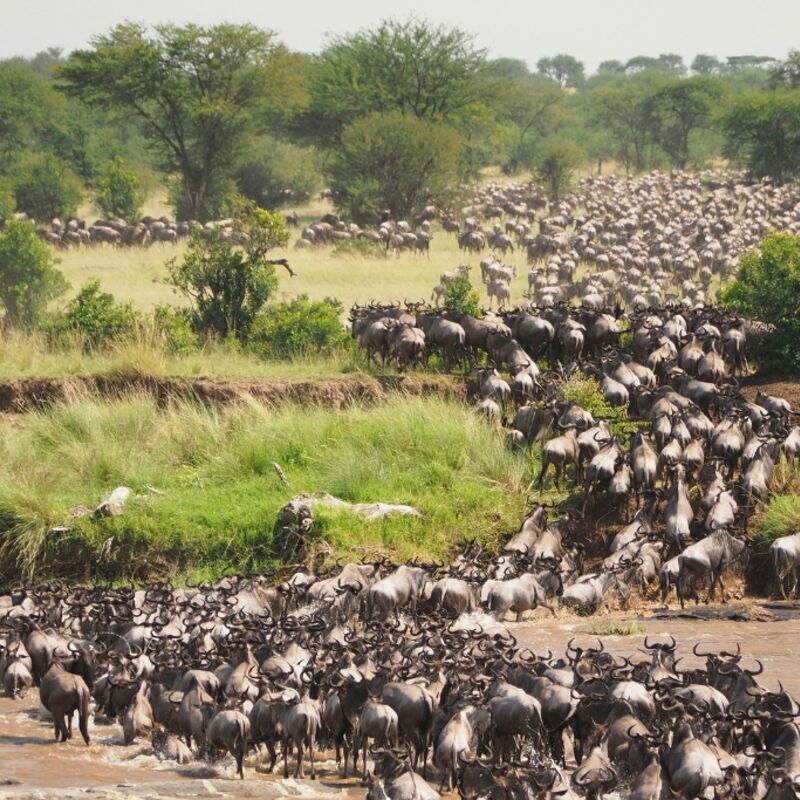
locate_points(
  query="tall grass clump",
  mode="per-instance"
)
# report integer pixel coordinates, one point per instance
(780, 517)
(207, 493)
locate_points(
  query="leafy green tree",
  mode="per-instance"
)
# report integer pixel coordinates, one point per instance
(704, 64)
(274, 174)
(299, 327)
(30, 112)
(556, 164)
(396, 162)
(118, 193)
(461, 298)
(195, 89)
(430, 72)
(681, 107)
(787, 73)
(624, 109)
(762, 131)
(531, 104)
(97, 316)
(228, 280)
(612, 65)
(28, 277)
(564, 69)
(767, 288)
(45, 187)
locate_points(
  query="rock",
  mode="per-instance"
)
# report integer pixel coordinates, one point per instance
(114, 504)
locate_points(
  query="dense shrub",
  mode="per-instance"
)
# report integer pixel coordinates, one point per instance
(767, 288)
(174, 329)
(276, 174)
(118, 192)
(97, 317)
(45, 187)
(299, 327)
(28, 277)
(585, 391)
(461, 298)
(228, 283)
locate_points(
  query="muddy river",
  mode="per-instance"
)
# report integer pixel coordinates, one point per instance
(33, 766)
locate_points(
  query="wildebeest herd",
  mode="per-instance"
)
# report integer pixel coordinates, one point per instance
(384, 665)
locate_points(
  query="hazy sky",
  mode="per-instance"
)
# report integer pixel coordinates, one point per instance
(592, 30)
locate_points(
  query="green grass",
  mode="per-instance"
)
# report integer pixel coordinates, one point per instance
(612, 627)
(221, 494)
(781, 517)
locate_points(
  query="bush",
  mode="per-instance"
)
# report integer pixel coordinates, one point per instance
(779, 518)
(767, 286)
(228, 281)
(396, 162)
(360, 247)
(97, 318)
(28, 277)
(461, 298)
(173, 327)
(118, 193)
(276, 174)
(7, 204)
(45, 187)
(585, 391)
(555, 164)
(300, 327)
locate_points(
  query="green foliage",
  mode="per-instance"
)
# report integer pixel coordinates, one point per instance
(555, 165)
(585, 391)
(195, 89)
(461, 298)
(221, 496)
(762, 132)
(28, 277)
(300, 327)
(45, 187)
(564, 69)
(429, 72)
(174, 328)
(683, 106)
(228, 281)
(767, 287)
(97, 318)
(781, 517)
(360, 246)
(7, 203)
(276, 174)
(396, 162)
(118, 193)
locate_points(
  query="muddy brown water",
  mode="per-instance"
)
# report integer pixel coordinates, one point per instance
(33, 766)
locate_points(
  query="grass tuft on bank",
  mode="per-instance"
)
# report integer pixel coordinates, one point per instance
(217, 494)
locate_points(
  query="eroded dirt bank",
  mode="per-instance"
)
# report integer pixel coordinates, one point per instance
(35, 767)
(24, 394)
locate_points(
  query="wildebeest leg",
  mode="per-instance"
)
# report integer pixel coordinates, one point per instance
(311, 756)
(70, 715)
(364, 745)
(285, 758)
(56, 727)
(298, 773)
(273, 755)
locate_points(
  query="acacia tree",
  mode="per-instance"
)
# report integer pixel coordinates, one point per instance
(681, 107)
(195, 89)
(563, 68)
(429, 72)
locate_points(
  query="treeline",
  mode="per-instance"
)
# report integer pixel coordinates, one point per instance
(393, 117)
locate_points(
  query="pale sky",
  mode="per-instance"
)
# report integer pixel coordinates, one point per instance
(592, 30)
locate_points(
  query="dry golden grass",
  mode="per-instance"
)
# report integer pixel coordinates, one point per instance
(139, 275)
